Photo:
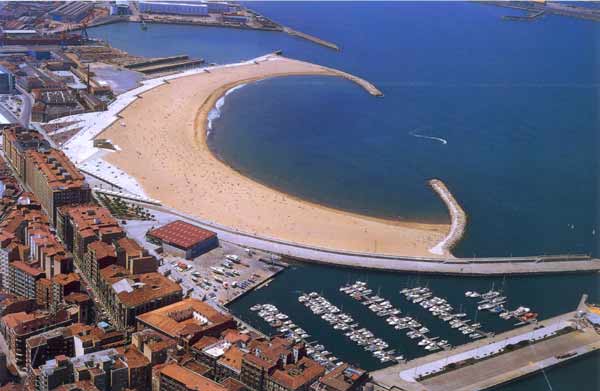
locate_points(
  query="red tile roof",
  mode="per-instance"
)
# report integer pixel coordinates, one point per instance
(26, 268)
(191, 380)
(181, 234)
(298, 375)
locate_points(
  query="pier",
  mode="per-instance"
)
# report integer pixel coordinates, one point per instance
(499, 359)
(525, 18)
(554, 8)
(311, 38)
(170, 66)
(155, 61)
(369, 87)
(458, 219)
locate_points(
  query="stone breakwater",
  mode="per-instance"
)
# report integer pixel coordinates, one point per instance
(458, 219)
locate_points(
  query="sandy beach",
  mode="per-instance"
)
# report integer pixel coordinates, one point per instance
(162, 143)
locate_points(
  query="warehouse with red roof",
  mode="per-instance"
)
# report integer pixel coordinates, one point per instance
(183, 239)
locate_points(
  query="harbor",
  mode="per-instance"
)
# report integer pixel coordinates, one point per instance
(285, 326)
(502, 358)
(301, 279)
(342, 321)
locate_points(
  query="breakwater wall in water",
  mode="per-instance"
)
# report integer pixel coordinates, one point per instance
(458, 219)
(369, 87)
(311, 38)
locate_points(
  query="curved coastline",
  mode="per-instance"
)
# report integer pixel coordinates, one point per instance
(201, 126)
(224, 195)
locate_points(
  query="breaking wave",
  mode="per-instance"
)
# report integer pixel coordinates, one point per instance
(216, 111)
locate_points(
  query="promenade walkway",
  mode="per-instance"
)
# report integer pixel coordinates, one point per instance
(450, 266)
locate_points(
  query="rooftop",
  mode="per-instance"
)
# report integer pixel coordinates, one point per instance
(296, 375)
(136, 289)
(24, 323)
(133, 357)
(191, 380)
(77, 297)
(59, 171)
(92, 220)
(342, 378)
(22, 266)
(233, 385)
(189, 316)
(181, 234)
(232, 358)
(102, 249)
(66, 279)
(267, 354)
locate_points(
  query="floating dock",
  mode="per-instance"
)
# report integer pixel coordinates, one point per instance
(499, 359)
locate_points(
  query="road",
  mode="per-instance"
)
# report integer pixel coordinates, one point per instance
(27, 105)
(449, 266)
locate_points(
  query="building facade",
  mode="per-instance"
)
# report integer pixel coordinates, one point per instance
(55, 180)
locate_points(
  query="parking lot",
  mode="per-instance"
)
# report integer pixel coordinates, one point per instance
(12, 103)
(222, 274)
(206, 277)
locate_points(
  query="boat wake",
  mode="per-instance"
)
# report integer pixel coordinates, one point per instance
(441, 140)
(216, 111)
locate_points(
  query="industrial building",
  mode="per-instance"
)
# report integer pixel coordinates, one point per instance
(72, 11)
(120, 7)
(218, 7)
(174, 8)
(7, 81)
(183, 239)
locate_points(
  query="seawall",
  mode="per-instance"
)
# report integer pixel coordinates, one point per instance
(458, 219)
(311, 38)
(499, 266)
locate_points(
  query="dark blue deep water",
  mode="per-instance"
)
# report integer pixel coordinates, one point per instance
(516, 102)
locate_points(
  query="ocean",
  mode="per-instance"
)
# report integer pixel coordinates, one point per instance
(515, 102)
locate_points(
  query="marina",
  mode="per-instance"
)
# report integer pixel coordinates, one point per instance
(286, 327)
(493, 302)
(440, 308)
(363, 337)
(383, 308)
(512, 207)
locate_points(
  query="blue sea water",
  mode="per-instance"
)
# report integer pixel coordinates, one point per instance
(516, 102)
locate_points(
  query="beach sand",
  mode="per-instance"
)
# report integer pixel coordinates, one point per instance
(163, 145)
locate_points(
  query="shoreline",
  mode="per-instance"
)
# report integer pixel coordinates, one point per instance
(169, 119)
(201, 138)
